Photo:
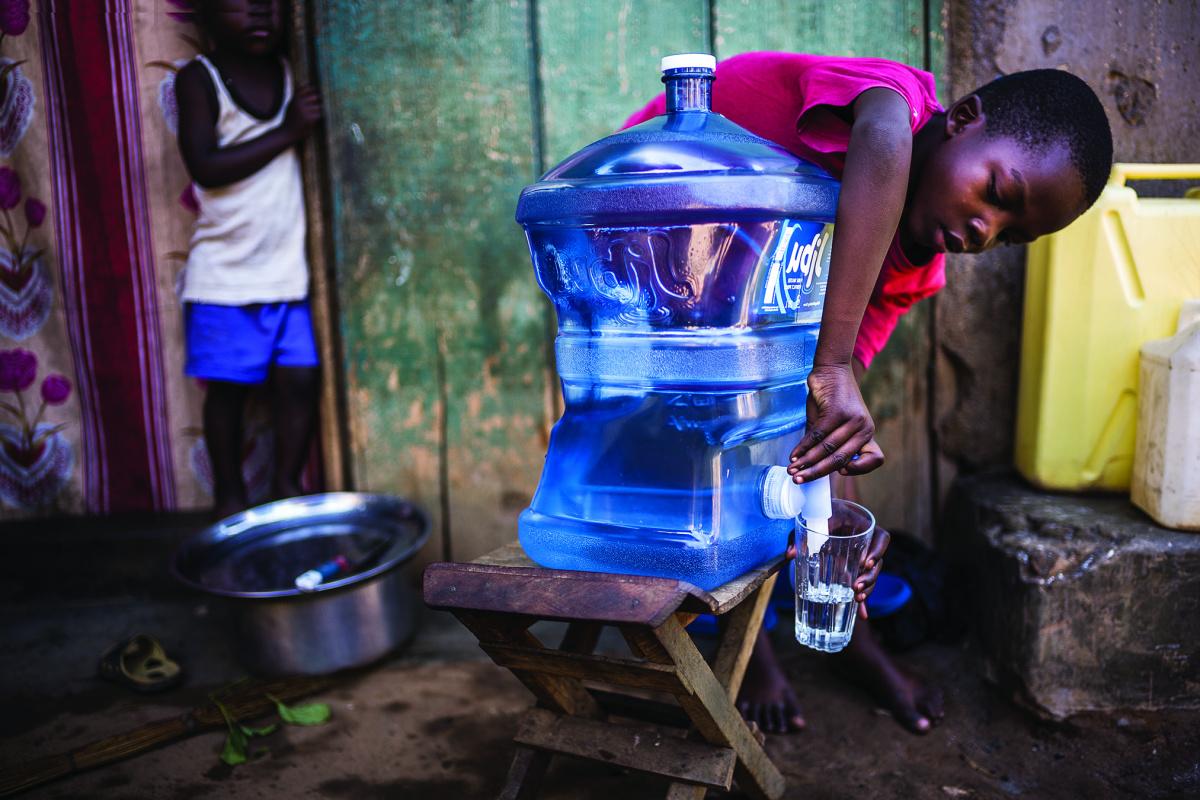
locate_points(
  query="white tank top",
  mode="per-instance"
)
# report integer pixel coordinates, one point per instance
(248, 245)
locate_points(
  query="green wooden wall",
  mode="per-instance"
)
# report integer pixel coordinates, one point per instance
(438, 112)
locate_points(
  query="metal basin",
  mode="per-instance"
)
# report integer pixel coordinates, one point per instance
(252, 559)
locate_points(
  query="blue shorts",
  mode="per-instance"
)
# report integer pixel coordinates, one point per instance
(240, 344)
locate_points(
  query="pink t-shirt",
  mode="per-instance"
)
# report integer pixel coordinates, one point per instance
(792, 99)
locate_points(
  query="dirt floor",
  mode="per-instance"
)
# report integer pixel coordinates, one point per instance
(436, 720)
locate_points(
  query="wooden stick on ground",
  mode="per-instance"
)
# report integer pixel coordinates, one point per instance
(243, 701)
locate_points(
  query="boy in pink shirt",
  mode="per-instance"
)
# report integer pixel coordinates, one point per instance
(1018, 158)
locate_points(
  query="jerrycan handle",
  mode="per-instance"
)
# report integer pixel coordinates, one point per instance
(1165, 172)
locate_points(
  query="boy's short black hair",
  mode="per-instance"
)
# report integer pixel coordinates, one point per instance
(1041, 107)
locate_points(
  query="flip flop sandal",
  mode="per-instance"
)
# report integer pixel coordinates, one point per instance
(141, 663)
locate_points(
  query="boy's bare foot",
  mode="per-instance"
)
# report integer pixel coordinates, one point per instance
(766, 697)
(914, 703)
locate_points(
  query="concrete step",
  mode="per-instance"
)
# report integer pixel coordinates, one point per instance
(1080, 602)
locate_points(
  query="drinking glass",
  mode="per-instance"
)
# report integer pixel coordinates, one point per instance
(826, 567)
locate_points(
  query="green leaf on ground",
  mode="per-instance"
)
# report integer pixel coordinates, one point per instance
(237, 743)
(234, 751)
(308, 714)
(265, 730)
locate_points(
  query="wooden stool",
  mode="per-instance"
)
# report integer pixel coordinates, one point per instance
(499, 595)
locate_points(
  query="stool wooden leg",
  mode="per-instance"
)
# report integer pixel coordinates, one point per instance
(565, 695)
(737, 640)
(729, 666)
(525, 774)
(686, 791)
(708, 705)
(581, 637)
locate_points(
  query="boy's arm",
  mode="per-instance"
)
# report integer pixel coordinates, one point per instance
(874, 183)
(213, 166)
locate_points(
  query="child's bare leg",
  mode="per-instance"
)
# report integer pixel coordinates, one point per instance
(224, 404)
(915, 703)
(294, 402)
(766, 697)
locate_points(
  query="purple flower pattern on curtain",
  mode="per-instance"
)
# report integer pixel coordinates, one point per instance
(35, 460)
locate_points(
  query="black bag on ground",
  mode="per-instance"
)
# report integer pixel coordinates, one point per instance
(930, 614)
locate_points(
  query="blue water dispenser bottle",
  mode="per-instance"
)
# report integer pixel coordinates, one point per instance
(687, 261)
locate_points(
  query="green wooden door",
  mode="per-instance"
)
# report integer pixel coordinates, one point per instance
(437, 114)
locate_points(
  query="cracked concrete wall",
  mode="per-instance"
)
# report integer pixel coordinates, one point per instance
(1143, 59)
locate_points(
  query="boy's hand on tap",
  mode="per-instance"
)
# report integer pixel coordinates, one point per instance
(841, 434)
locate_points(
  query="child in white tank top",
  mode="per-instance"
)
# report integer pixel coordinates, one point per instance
(245, 287)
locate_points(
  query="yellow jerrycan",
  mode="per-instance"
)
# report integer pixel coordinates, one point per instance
(1094, 293)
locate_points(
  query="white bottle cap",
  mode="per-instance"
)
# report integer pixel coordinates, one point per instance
(781, 499)
(689, 60)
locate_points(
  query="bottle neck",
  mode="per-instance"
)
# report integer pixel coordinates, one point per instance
(689, 91)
